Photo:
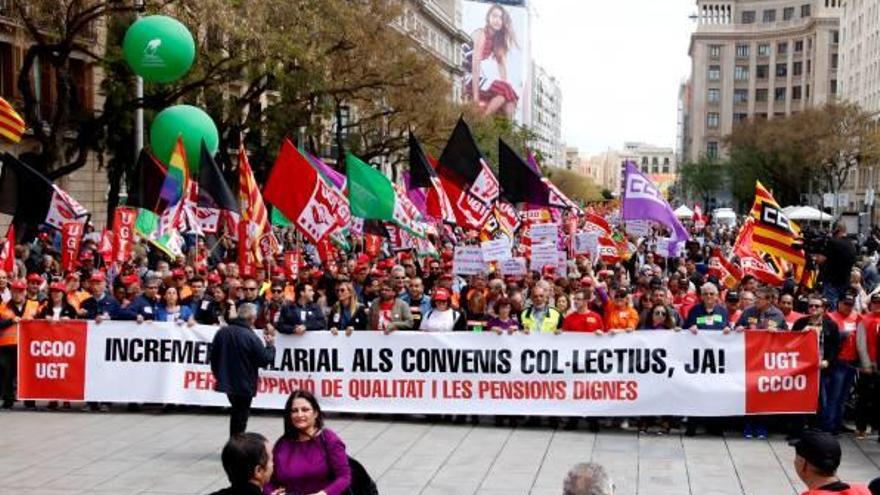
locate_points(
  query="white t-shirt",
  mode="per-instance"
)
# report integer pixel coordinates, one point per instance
(438, 321)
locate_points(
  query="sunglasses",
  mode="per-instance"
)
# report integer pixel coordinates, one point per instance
(277, 291)
(659, 313)
(814, 306)
(341, 291)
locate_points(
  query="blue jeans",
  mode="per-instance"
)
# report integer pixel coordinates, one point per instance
(836, 383)
(832, 294)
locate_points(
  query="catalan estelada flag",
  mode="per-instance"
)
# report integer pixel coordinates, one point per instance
(11, 124)
(774, 233)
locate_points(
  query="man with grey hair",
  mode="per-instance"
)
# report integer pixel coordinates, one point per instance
(587, 478)
(237, 354)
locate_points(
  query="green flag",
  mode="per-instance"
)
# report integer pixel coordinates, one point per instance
(370, 193)
(278, 218)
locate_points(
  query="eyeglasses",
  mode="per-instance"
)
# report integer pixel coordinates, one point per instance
(151, 287)
(709, 293)
(399, 278)
(341, 291)
(277, 291)
(659, 313)
(814, 306)
(250, 289)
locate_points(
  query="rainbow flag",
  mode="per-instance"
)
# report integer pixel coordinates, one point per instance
(177, 176)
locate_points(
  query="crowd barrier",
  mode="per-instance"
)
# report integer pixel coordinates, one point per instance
(572, 374)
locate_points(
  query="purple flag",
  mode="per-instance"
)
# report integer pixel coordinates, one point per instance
(417, 195)
(643, 201)
(338, 180)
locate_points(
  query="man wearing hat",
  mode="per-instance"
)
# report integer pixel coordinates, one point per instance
(101, 305)
(817, 457)
(831, 395)
(18, 308)
(34, 283)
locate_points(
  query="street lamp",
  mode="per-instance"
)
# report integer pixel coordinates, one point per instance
(139, 7)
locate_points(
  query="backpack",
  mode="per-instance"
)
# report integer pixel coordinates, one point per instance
(361, 482)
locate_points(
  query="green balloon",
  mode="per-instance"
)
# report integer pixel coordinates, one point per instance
(159, 48)
(190, 123)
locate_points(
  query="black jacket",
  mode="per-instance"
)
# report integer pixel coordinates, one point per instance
(359, 320)
(830, 336)
(67, 311)
(309, 315)
(237, 354)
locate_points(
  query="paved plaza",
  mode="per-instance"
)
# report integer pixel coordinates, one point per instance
(153, 453)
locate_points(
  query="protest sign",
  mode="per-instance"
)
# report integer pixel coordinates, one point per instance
(544, 233)
(514, 266)
(468, 260)
(586, 243)
(496, 249)
(544, 255)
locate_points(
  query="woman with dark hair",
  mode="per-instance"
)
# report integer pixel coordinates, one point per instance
(309, 459)
(657, 318)
(493, 41)
(505, 321)
(172, 310)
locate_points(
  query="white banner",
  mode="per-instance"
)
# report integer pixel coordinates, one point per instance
(544, 233)
(572, 374)
(496, 249)
(544, 255)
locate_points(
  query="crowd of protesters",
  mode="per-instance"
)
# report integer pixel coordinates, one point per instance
(399, 291)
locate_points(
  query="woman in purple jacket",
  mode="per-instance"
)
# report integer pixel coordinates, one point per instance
(309, 459)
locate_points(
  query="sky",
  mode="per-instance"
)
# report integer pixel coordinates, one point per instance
(620, 64)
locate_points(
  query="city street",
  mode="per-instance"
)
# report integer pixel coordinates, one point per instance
(152, 453)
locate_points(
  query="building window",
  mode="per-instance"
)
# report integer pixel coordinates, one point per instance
(665, 161)
(712, 120)
(761, 94)
(799, 46)
(712, 150)
(788, 13)
(764, 50)
(741, 73)
(781, 70)
(762, 71)
(834, 86)
(740, 117)
(835, 37)
(714, 95)
(748, 16)
(779, 94)
(740, 96)
(742, 51)
(7, 73)
(809, 66)
(714, 72)
(769, 15)
(807, 92)
(795, 92)
(714, 51)
(834, 59)
(644, 160)
(805, 10)
(782, 48)
(797, 68)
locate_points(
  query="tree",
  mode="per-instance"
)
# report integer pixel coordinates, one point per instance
(574, 185)
(819, 145)
(700, 179)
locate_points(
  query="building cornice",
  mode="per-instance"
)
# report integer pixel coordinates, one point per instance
(745, 32)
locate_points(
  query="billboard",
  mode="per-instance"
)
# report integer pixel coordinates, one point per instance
(496, 59)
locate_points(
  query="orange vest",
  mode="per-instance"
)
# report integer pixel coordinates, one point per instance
(9, 335)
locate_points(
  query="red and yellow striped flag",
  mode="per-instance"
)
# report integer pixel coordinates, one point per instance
(253, 210)
(774, 233)
(11, 124)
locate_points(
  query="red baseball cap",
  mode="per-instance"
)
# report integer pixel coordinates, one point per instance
(86, 255)
(548, 270)
(441, 294)
(587, 281)
(58, 286)
(130, 280)
(213, 278)
(33, 277)
(97, 277)
(18, 284)
(72, 276)
(178, 273)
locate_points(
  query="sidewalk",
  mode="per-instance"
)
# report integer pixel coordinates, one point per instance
(151, 453)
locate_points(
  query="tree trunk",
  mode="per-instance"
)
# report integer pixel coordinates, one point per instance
(340, 148)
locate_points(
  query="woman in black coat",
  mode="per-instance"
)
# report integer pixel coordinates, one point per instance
(347, 313)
